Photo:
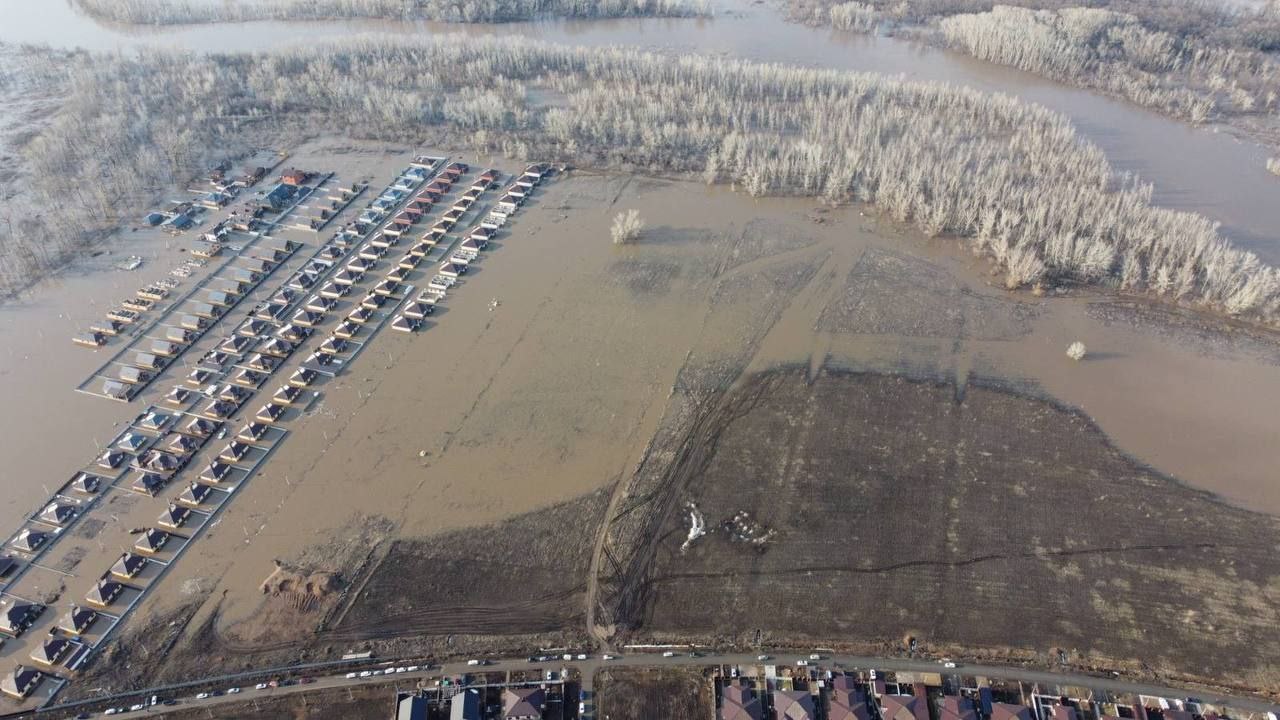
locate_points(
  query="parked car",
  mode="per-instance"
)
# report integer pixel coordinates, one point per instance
(815, 656)
(202, 696)
(413, 668)
(473, 662)
(762, 658)
(233, 691)
(668, 654)
(365, 674)
(606, 656)
(802, 663)
(350, 675)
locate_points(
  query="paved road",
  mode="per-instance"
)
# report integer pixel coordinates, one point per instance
(588, 668)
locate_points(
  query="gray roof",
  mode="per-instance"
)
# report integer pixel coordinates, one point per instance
(465, 706)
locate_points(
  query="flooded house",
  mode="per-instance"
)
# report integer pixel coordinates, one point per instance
(286, 395)
(16, 616)
(51, 651)
(193, 322)
(20, 682)
(332, 346)
(152, 541)
(199, 377)
(90, 339)
(405, 324)
(128, 566)
(215, 472)
(234, 393)
(177, 396)
(418, 310)
(346, 330)
(221, 298)
(234, 452)
(396, 274)
(277, 348)
(252, 432)
(409, 261)
(386, 287)
(348, 277)
(77, 620)
(149, 483)
(165, 348)
(112, 459)
(261, 363)
(452, 269)
(182, 445)
(179, 335)
(269, 413)
(155, 421)
(134, 375)
(173, 517)
(107, 327)
(303, 377)
(86, 483)
(204, 310)
(253, 328)
(201, 427)
(132, 442)
(58, 513)
(319, 303)
(373, 301)
(104, 592)
(194, 495)
(235, 344)
(360, 315)
(306, 318)
(333, 290)
(31, 540)
(158, 462)
(248, 378)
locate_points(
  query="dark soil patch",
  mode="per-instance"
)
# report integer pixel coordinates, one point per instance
(994, 522)
(645, 693)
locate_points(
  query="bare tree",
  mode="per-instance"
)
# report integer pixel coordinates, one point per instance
(627, 226)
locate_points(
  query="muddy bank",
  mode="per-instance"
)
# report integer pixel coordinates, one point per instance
(869, 508)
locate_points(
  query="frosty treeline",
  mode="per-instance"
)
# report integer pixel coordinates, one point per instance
(1110, 51)
(1195, 61)
(170, 12)
(1014, 180)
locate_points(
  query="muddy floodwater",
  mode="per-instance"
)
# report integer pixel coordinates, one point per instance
(1200, 169)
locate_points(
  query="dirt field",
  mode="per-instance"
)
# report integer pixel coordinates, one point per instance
(874, 508)
(643, 693)
(366, 702)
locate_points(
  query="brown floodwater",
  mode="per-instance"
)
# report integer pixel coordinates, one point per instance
(1199, 169)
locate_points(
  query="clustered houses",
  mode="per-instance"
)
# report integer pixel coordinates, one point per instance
(811, 694)
(161, 444)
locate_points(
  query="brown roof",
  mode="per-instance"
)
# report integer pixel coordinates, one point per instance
(793, 705)
(847, 701)
(522, 703)
(904, 707)
(1005, 711)
(956, 708)
(740, 703)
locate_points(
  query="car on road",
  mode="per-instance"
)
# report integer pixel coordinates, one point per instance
(202, 696)
(582, 656)
(309, 680)
(815, 656)
(473, 663)
(365, 674)
(169, 701)
(413, 668)
(83, 716)
(260, 686)
(948, 665)
(606, 656)
(762, 658)
(567, 656)
(582, 708)
(233, 691)
(401, 669)
(350, 675)
(111, 711)
(668, 654)
(136, 707)
(376, 673)
(802, 663)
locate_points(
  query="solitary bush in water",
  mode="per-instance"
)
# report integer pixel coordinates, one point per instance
(627, 227)
(1076, 350)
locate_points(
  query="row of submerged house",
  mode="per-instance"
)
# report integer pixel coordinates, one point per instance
(163, 442)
